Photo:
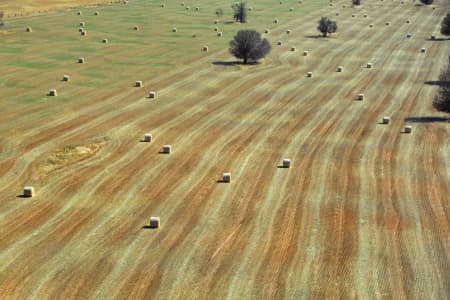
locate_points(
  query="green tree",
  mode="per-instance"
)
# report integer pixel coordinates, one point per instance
(427, 2)
(442, 100)
(248, 45)
(445, 25)
(240, 12)
(326, 26)
(219, 13)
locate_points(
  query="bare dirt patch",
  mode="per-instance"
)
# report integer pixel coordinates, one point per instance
(68, 155)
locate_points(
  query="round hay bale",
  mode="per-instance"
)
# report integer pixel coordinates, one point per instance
(84, 33)
(360, 97)
(81, 24)
(205, 48)
(187, 8)
(167, 149)
(276, 21)
(286, 163)
(353, 15)
(370, 25)
(293, 48)
(267, 31)
(337, 14)
(309, 74)
(407, 129)
(80, 30)
(53, 93)
(219, 34)
(139, 83)
(105, 41)
(385, 120)
(423, 50)
(433, 37)
(369, 65)
(182, 3)
(152, 95)
(197, 9)
(174, 29)
(288, 31)
(79, 13)
(96, 13)
(250, 8)
(365, 15)
(29, 29)
(148, 137)
(216, 21)
(339, 69)
(81, 60)
(305, 53)
(216, 29)
(279, 43)
(28, 191)
(163, 5)
(291, 9)
(388, 23)
(408, 35)
(136, 28)
(226, 177)
(407, 21)
(155, 222)
(66, 78)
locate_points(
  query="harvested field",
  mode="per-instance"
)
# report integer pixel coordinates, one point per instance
(362, 211)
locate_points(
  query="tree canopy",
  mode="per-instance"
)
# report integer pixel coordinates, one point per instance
(240, 12)
(248, 45)
(442, 100)
(326, 26)
(445, 25)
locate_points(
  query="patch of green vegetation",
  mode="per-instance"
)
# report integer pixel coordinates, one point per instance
(11, 49)
(35, 65)
(64, 56)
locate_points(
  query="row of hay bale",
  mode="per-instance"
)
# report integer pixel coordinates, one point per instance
(96, 13)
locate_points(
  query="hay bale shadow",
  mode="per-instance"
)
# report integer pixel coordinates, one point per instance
(282, 167)
(162, 152)
(149, 227)
(22, 196)
(426, 119)
(221, 181)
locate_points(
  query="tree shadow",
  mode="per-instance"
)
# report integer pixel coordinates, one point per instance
(437, 82)
(234, 63)
(437, 39)
(426, 119)
(317, 36)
